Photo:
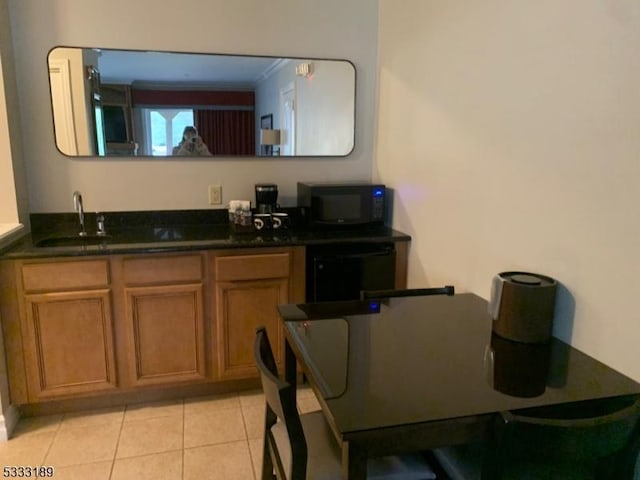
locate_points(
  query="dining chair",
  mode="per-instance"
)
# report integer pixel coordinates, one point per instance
(406, 292)
(590, 440)
(300, 447)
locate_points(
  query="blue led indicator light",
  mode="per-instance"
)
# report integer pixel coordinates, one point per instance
(378, 193)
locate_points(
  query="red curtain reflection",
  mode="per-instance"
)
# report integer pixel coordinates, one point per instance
(227, 132)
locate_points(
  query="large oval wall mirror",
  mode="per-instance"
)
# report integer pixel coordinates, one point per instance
(108, 103)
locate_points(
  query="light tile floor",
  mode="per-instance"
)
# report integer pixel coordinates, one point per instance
(203, 438)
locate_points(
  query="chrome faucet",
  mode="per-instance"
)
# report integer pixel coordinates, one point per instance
(77, 207)
(101, 231)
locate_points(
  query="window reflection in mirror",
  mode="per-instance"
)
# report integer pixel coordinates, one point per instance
(138, 103)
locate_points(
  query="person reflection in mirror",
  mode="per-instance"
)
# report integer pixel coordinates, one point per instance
(191, 144)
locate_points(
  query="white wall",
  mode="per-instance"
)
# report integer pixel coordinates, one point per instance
(8, 200)
(267, 94)
(511, 133)
(14, 206)
(329, 29)
(323, 123)
(324, 105)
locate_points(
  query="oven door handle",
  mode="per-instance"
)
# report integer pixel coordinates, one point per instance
(355, 255)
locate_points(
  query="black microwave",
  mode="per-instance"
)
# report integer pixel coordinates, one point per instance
(343, 204)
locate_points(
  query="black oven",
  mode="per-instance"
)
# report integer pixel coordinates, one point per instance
(343, 204)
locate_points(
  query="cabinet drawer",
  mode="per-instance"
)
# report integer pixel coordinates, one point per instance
(65, 275)
(252, 267)
(152, 269)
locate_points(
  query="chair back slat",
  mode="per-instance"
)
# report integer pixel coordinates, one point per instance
(272, 386)
(280, 403)
(407, 292)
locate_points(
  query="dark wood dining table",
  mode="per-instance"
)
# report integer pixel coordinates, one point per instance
(415, 373)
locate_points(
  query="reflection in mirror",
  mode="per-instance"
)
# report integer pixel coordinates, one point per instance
(139, 103)
(330, 365)
(515, 368)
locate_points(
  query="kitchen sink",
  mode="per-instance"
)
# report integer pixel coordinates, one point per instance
(73, 241)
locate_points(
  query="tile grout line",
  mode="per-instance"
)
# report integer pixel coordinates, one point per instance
(52, 441)
(244, 420)
(183, 431)
(115, 451)
(246, 437)
(253, 469)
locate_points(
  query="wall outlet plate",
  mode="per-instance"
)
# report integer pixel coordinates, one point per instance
(215, 194)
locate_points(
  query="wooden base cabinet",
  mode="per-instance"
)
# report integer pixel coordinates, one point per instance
(89, 326)
(243, 306)
(67, 328)
(248, 288)
(164, 319)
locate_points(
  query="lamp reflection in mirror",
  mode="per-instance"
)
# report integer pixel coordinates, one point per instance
(269, 138)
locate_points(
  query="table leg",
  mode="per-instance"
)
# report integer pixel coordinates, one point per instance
(354, 462)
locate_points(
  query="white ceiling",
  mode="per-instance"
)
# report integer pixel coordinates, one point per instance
(153, 68)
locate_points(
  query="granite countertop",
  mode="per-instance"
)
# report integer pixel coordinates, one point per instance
(145, 232)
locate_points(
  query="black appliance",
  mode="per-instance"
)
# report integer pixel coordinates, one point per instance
(266, 197)
(343, 204)
(340, 272)
(523, 306)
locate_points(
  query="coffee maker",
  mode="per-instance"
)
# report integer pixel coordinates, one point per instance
(266, 197)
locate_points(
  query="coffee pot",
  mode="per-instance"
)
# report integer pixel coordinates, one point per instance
(266, 197)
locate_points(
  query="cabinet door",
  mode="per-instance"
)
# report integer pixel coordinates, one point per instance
(241, 307)
(165, 326)
(69, 343)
